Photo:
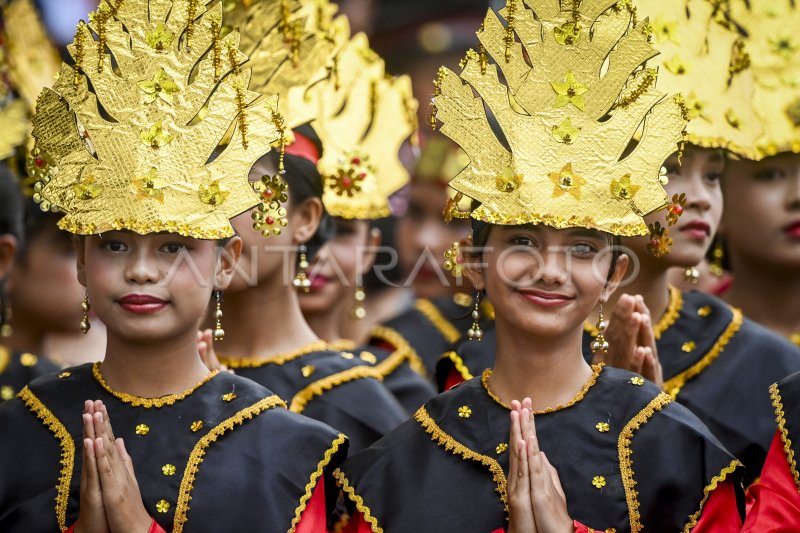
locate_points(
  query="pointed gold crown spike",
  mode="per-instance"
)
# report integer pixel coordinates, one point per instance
(774, 45)
(439, 160)
(288, 54)
(361, 138)
(581, 134)
(129, 135)
(704, 58)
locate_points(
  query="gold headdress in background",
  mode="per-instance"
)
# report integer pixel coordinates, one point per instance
(774, 46)
(576, 93)
(138, 147)
(704, 58)
(361, 137)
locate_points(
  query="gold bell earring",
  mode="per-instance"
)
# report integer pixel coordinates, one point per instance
(219, 333)
(301, 281)
(85, 324)
(599, 345)
(691, 275)
(359, 311)
(475, 332)
(717, 267)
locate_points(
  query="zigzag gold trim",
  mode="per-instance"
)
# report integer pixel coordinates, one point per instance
(312, 483)
(459, 365)
(780, 418)
(432, 313)
(673, 386)
(365, 511)
(716, 480)
(626, 460)
(401, 345)
(199, 451)
(148, 403)
(36, 406)
(319, 387)
(278, 359)
(451, 445)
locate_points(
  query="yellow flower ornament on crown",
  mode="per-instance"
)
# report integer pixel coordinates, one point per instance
(580, 132)
(131, 131)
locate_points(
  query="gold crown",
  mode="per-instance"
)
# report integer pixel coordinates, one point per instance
(364, 119)
(568, 121)
(291, 45)
(133, 143)
(439, 160)
(774, 47)
(703, 57)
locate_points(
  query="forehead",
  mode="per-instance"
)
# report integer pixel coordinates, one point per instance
(554, 234)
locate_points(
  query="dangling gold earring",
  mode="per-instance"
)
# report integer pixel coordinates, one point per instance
(85, 324)
(359, 311)
(5, 316)
(219, 333)
(475, 332)
(301, 281)
(691, 275)
(717, 256)
(599, 345)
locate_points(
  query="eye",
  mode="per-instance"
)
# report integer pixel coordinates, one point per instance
(174, 248)
(714, 176)
(769, 174)
(523, 241)
(673, 169)
(582, 249)
(114, 246)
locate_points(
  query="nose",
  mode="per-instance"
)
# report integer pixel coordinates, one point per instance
(553, 267)
(142, 268)
(698, 195)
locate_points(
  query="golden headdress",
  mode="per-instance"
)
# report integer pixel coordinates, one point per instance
(364, 119)
(703, 57)
(774, 46)
(576, 93)
(129, 135)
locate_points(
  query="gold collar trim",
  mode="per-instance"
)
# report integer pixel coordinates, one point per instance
(277, 359)
(673, 386)
(320, 387)
(780, 417)
(596, 369)
(401, 347)
(147, 403)
(432, 313)
(667, 320)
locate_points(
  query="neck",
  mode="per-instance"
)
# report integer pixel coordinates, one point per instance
(325, 323)
(770, 296)
(550, 371)
(153, 370)
(263, 321)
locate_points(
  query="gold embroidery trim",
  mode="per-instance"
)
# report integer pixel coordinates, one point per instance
(673, 386)
(432, 313)
(780, 418)
(319, 387)
(365, 511)
(402, 347)
(626, 460)
(596, 369)
(147, 403)
(312, 483)
(668, 320)
(278, 359)
(711, 487)
(459, 365)
(453, 446)
(343, 345)
(5, 358)
(33, 403)
(199, 451)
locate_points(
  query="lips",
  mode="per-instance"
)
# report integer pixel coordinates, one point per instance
(697, 229)
(319, 282)
(793, 230)
(545, 298)
(142, 304)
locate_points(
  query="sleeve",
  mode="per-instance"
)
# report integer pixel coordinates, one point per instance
(314, 517)
(775, 505)
(721, 512)
(154, 528)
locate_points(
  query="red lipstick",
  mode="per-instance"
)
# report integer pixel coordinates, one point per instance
(142, 304)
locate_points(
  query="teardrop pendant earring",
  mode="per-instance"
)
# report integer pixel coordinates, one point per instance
(301, 281)
(475, 332)
(86, 307)
(599, 345)
(219, 333)
(359, 311)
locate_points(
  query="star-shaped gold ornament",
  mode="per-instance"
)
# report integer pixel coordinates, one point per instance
(156, 137)
(623, 189)
(665, 30)
(567, 182)
(160, 38)
(508, 181)
(565, 132)
(149, 186)
(568, 33)
(213, 195)
(570, 92)
(161, 86)
(87, 189)
(677, 65)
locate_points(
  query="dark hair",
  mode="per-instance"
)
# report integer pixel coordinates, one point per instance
(480, 236)
(11, 205)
